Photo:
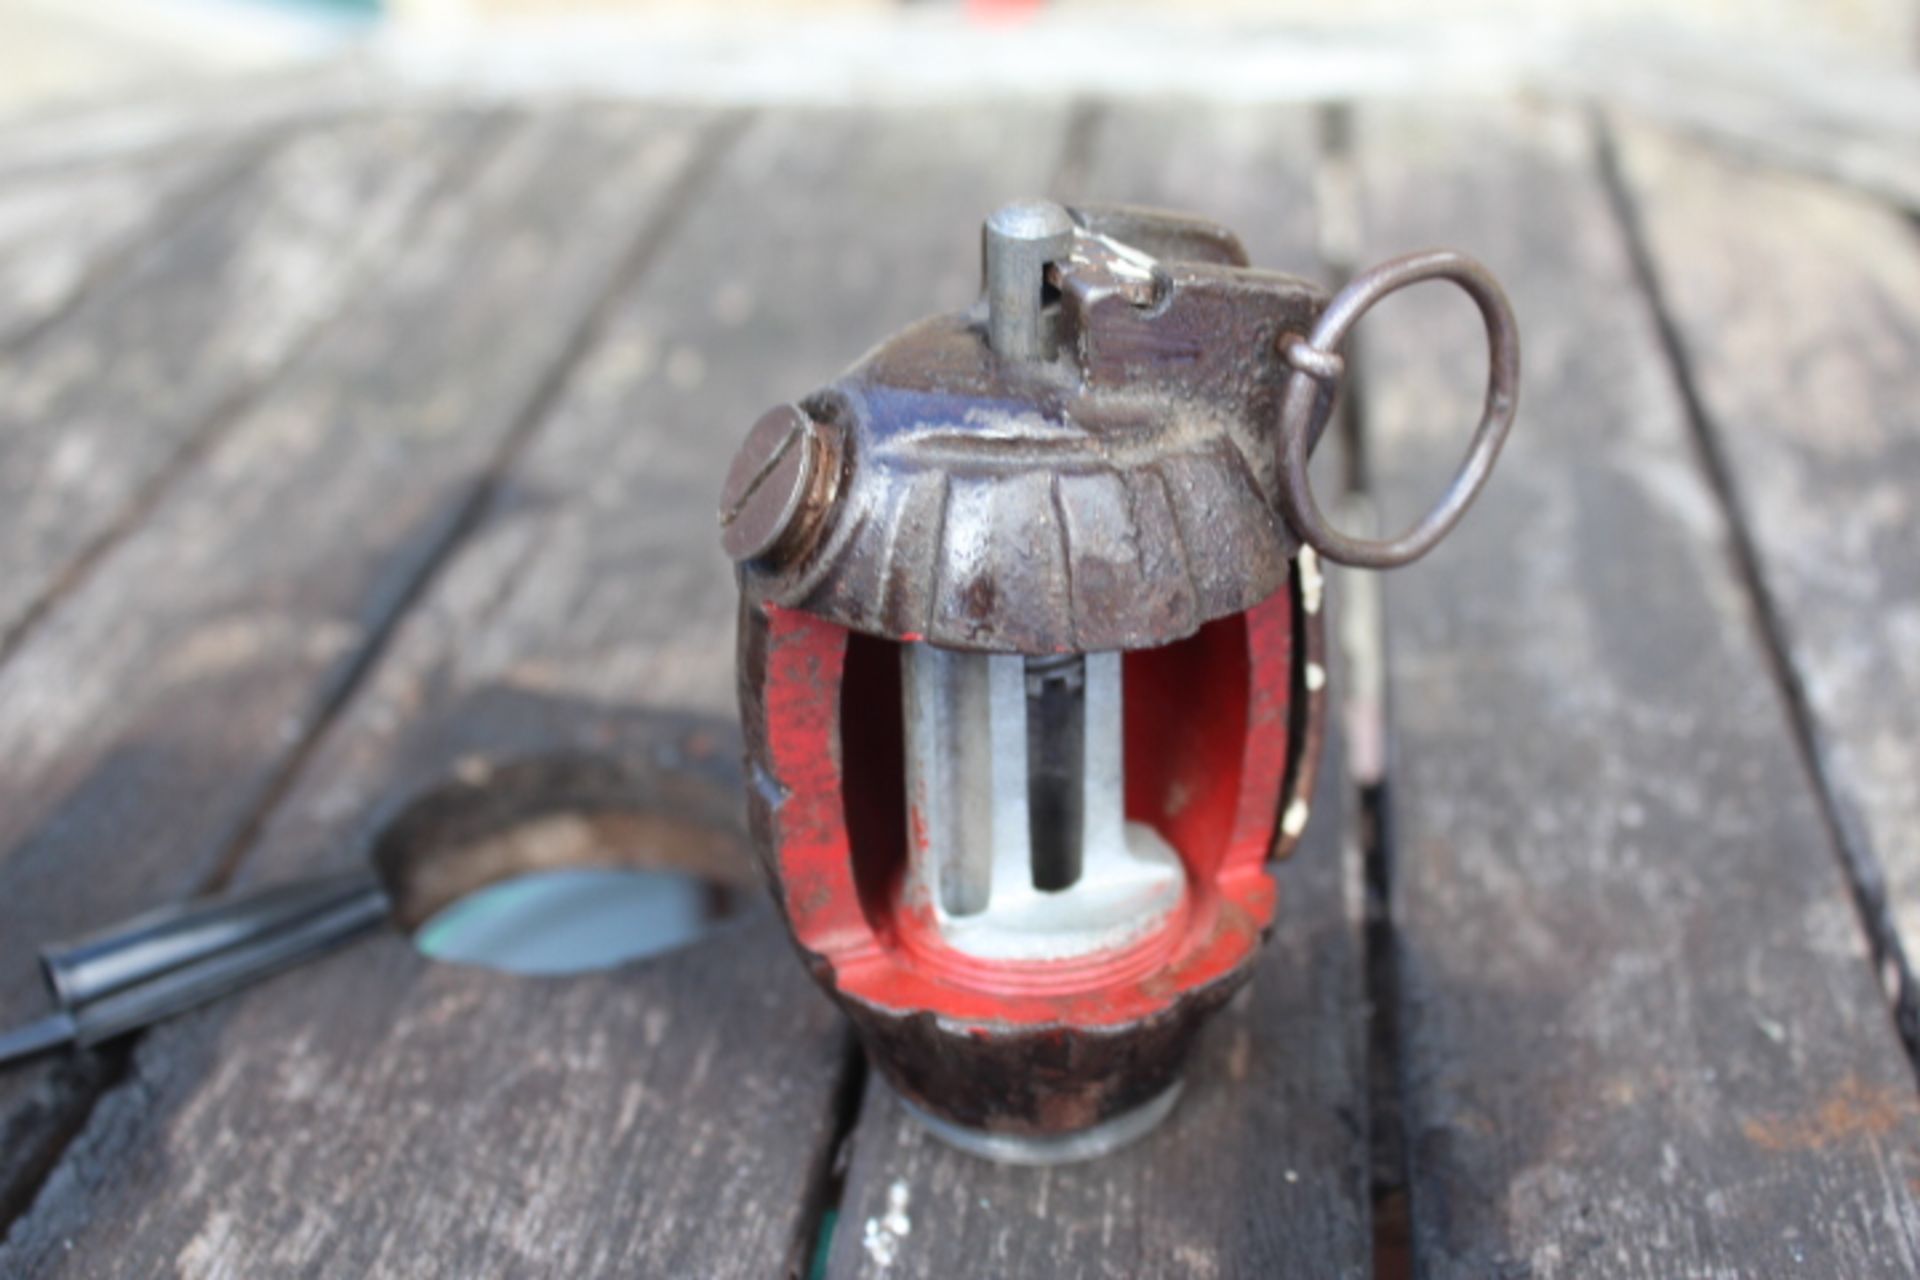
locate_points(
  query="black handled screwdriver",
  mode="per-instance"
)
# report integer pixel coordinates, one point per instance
(169, 960)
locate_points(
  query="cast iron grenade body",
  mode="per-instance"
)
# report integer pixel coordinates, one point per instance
(1031, 646)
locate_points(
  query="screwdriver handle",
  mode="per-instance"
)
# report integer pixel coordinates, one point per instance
(183, 934)
(217, 972)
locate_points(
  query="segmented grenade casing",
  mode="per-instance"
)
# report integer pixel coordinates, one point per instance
(1113, 490)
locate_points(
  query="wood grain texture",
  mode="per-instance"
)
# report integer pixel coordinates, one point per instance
(603, 1125)
(150, 716)
(61, 232)
(1640, 1033)
(99, 409)
(178, 117)
(1850, 119)
(671, 1118)
(1798, 309)
(1262, 1169)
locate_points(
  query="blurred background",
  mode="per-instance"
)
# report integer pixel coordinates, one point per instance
(1823, 85)
(59, 52)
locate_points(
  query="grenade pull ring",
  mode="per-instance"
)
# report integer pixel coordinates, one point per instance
(1318, 367)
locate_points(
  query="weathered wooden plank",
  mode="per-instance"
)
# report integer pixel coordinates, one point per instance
(151, 715)
(671, 1118)
(608, 1124)
(1263, 1168)
(98, 410)
(60, 232)
(1640, 1035)
(181, 117)
(1853, 119)
(1798, 310)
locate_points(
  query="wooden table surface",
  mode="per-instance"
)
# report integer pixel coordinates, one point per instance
(360, 455)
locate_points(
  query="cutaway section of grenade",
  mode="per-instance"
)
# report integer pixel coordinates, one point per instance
(1032, 661)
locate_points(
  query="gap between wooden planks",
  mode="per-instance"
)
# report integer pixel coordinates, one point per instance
(151, 714)
(677, 1113)
(1640, 1030)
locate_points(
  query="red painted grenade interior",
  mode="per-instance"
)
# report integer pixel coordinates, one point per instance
(1207, 729)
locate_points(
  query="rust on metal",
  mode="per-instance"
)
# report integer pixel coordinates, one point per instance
(1106, 455)
(1317, 365)
(1117, 495)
